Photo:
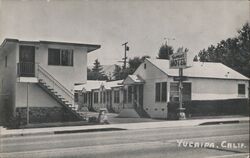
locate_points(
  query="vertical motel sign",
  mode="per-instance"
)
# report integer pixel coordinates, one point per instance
(180, 61)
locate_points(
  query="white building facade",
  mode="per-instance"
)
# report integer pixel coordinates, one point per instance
(39, 76)
(205, 81)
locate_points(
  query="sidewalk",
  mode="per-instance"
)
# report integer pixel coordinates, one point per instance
(128, 126)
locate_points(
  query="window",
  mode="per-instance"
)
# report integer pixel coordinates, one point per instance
(130, 91)
(60, 57)
(85, 98)
(101, 96)
(174, 91)
(164, 91)
(161, 92)
(96, 97)
(6, 61)
(108, 96)
(145, 65)
(116, 96)
(76, 97)
(125, 96)
(241, 89)
(104, 97)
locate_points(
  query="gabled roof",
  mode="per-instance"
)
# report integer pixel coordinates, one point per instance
(133, 79)
(90, 47)
(93, 85)
(112, 84)
(200, 69)
(87, 87)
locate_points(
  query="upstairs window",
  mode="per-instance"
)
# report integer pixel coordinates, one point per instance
(62, 57)
(241, 89)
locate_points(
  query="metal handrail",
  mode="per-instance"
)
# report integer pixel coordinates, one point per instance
(51, 78)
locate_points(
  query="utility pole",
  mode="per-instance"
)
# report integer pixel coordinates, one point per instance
(126, 48)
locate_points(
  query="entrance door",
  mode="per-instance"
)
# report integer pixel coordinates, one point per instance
(141, 96)
(26, 66)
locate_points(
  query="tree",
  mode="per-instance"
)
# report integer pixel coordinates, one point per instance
(97, 66)
(118, 73)
(133, 64)
(182, 49)
(96, 73)
(233, 52)
(165, 51)
(195, 58)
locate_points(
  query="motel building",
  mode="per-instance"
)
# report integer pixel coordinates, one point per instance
(95, 95)
(152, 89)
(39, 77)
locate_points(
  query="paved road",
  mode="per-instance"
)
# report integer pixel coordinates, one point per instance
(212, 141)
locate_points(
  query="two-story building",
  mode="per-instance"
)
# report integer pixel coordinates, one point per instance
(39, 77)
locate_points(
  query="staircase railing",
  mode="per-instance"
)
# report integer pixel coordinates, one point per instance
(54, 84)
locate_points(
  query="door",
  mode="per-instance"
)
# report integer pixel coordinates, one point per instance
(26, 65)
(141, 96)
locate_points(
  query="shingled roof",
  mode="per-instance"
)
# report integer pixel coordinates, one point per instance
(200, 69)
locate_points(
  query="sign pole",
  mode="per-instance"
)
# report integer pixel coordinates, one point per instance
(181, 113)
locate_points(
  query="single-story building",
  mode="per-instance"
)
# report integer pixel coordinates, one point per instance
(153, 85)
(152, 89)
(100, 94)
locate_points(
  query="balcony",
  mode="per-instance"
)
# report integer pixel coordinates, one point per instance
(26, 72)
(26, 69)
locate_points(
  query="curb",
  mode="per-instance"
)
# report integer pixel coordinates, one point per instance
(219, 122)
(113, 127)
(26, 134)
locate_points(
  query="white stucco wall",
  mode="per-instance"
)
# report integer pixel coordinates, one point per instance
(152, 75)
(66, 75)
(8, 74)
(36, 96)
(212, 89)
(202, 89)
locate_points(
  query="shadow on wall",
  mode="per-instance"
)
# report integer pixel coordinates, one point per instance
(6, 110)
(210, 108)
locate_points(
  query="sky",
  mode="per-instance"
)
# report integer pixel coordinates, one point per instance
(144, 24)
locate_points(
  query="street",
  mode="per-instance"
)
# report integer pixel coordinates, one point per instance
(211, 141)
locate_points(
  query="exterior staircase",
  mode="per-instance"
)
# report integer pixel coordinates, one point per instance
(57, 91)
